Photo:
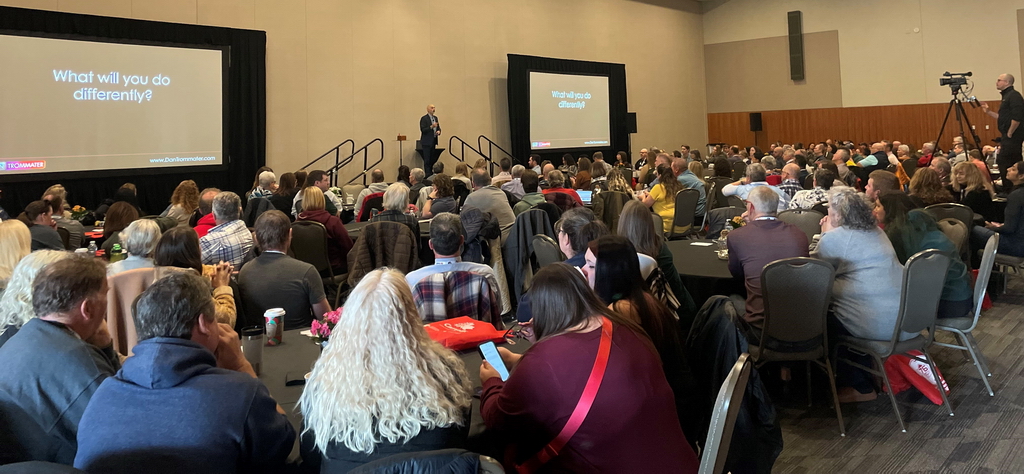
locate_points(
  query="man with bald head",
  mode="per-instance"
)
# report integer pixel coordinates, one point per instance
(430, 129)
(1008, 119)
(791, 179)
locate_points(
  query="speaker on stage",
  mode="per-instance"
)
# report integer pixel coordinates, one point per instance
(755, 121)
(631, 122)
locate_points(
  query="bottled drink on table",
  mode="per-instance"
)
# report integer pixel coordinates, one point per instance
(92, 248)
(116, 254)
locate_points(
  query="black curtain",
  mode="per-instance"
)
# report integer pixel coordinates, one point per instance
(519, 68)
(246, 124)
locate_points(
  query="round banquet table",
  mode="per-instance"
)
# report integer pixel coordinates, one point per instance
(703, 273)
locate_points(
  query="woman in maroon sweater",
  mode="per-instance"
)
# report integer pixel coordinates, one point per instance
(338, 241)
(632, 425)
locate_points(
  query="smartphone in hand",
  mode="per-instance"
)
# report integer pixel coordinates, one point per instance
(490, 354)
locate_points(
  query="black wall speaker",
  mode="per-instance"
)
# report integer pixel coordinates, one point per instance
(755, 121)
(631, 122)
(796, 46)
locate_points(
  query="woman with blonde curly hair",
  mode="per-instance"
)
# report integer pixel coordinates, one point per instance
(15, 244)
(184, 201)
(972, 190)
(16, 303)
(382, 386)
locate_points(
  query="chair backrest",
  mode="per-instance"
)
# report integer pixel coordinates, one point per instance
(350, 193)
(924, 276)
(546, 250)
(309, 244)
(739, 170)
(723, 417)
(807, 220)
(988, 257)
(711, 198)
(686, 208)
(736, 202)
(797, 292)
(959, 212)
(370, 202)
(65, 237)
(122, 290)
(461, 190)
(659, 223)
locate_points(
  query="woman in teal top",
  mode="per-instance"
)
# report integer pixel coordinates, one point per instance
(913, 230)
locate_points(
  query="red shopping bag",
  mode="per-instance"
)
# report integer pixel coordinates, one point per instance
(905, 372)
(463, 333)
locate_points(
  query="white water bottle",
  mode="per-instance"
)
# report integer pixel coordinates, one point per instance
(93, 248)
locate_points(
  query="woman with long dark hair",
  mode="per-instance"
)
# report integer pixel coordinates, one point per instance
(179, 248)
(662, 198)
(634, 425)
(287, 188)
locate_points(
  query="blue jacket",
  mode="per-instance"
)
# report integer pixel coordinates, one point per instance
(170, 409)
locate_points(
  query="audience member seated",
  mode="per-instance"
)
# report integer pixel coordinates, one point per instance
(505, 172)
(575, 230)
(15, 244)
(230, 240)
(462, 174)
(206, 220)
(179, 248)
(275, 280)
(808, 198)
(54, 364)
(598, 162)
(662, 198)
(267, 185)
(119, 217)
(866, 292)
(568, 167)
(763, 240)
(546, 168)
(184, 202)
(599, 178)
(545, 386)
(126, 193)
(614, 274)
(338, 241)
(377, 185)
(532, 193)
(16, 302)
(76, 231)
(416, 177)
(941, 166)
(689, 180)
(557, 184)
(880, 181)
(321, 180)
(515, 186)
(187, 375)
(382, 386)
(139, 241)
(446, 239)
(441, 198)
(913, 230)
(396, 203)
(927, 153)
(256, 179)
(979, 162)
(791, 183)
(582, 178)
(721, 177)
(926, 187)
(1011, 230)
(41, 226)
(972, 190)
(840, 158)
(756, 176)
(490, 199)
(287, 189)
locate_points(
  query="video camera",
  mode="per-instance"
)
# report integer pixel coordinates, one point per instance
(954, 79)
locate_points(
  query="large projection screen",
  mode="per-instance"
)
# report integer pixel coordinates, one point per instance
(71, 106)
(568, 111)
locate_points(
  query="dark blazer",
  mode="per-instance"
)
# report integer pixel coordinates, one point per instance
(427, 137)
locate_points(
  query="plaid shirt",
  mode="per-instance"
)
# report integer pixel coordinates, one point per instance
(563, 200)
(228, 242)
(449, 295)
(400, 217)
(808, 198)
(791, 187)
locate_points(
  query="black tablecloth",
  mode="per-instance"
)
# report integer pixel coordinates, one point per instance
(704, 274)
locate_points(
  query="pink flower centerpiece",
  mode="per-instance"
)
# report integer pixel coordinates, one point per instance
(322, 329)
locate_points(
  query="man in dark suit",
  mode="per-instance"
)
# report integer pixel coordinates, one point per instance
(430, 129)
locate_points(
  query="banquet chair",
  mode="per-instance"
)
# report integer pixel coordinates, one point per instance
(709, 204)
(736, 202)
(65, 237)
(545, 249)
(807, 220)
(924, 276)
(959, 212)
(962, 327)
(659, 223)
(349, 194)
(723, 417)
(370, 203)
(686, 210)
(309, 244)
(797, 292)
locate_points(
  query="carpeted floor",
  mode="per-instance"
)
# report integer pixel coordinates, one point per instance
(985, 435)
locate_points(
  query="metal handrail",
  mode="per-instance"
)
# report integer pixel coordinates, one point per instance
(462, 150)
(490, 150)
(337, 154)
(365, 151)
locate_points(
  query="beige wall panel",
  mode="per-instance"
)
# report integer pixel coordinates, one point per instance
(329, 70)
(33, 4)
(287, 98)
(118, 8)
(373, 71)
(229, 13)
(175, 11)
(754, 75)
(412, 85)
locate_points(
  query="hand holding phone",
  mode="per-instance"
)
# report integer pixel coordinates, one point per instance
(491, 355)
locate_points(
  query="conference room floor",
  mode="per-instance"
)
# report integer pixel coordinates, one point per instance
(985, 435)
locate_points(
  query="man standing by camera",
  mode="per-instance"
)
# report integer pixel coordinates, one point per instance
(1008, 119)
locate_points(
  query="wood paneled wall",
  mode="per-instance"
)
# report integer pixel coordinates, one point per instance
(912, 124)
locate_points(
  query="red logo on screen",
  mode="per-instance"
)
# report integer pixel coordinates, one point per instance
(25, 165)
(541, 144)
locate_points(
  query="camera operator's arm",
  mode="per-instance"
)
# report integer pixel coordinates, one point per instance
(984, 106)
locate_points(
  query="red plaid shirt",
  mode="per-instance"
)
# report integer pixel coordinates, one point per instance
(448, 295)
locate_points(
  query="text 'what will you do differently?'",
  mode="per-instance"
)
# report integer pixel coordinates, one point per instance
(111, 79)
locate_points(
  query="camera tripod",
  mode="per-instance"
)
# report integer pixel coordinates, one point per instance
(961, 118)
